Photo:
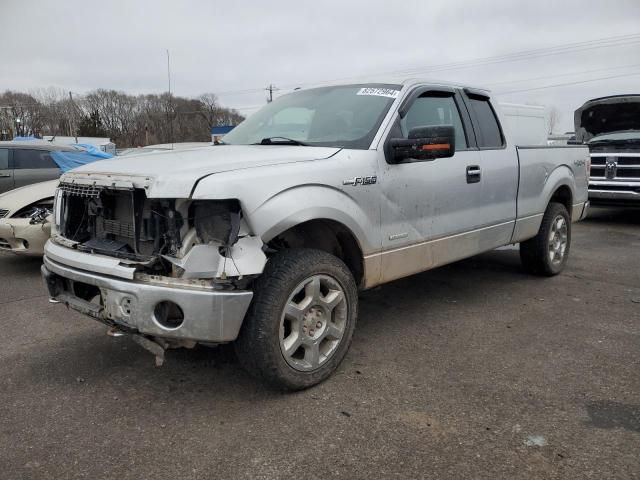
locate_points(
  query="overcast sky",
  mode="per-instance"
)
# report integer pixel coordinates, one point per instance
(242, 46)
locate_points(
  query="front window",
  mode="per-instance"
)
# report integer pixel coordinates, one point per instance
(430, 110)
(343, 116)
(4, 158)
(28, 159)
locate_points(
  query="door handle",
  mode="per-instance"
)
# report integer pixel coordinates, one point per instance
(2, 175)
(473, 174)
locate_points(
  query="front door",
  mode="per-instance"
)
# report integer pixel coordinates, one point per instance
(430, 212)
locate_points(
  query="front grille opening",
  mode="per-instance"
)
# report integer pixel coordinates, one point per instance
(628, 173)
(85, 291)
(120, 222)
(614, 188)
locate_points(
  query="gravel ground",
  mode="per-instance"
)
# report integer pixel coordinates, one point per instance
(474, 370)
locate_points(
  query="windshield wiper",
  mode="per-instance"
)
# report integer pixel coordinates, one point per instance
(283, 141)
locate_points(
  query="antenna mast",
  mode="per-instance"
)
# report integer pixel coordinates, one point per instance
(170, 120)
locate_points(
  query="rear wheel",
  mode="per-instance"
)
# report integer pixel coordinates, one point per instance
(301, 320)
(548, 251)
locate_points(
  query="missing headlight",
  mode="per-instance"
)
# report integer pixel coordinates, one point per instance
(216, 220)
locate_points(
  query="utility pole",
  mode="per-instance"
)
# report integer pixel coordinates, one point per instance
(271, 88)
(169, 119)
(71, 132)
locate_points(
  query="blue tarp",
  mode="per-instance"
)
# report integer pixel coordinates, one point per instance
(222, 130)
(85, 154)
(25, 139)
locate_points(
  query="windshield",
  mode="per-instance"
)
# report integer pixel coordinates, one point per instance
(343, 116)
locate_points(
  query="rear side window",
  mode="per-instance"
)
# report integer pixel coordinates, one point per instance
(487, 128)
(23, 158)
(4, 158)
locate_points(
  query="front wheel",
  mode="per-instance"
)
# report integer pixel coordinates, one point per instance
(547, 252)
(301, 320)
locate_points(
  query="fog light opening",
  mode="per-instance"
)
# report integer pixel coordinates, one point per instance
(168, 315)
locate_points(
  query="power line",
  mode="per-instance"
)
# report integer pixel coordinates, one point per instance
(606, 42)
(251, 107)
(569, 83)
(526, 54)
(567, 74)
(461, 65)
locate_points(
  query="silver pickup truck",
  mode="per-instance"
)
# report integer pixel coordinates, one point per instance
(265, 239)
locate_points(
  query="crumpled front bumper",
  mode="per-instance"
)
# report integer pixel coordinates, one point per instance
(17, 235)
(210, 315)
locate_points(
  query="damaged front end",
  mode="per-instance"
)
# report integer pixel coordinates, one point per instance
(175, 272)
(169, 238)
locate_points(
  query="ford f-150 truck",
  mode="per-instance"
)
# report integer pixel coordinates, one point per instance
(610, 126)
(265, 239)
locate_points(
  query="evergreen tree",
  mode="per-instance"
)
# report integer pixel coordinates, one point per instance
(91, 126)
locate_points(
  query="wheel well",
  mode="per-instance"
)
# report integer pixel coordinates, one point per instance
(326, 235)
(563, 195)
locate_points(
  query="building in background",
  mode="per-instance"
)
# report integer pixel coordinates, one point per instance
(103, 143)
(218, 132)
(526, 123)
(567, 138)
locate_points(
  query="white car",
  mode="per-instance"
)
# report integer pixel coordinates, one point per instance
(25, 215)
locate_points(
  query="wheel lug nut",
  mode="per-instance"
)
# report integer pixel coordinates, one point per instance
(311, 332)
(318, 325)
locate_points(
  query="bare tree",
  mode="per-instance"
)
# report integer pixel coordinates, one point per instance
(553, 118)
(21, 114)
(215, 114)
(128, 120)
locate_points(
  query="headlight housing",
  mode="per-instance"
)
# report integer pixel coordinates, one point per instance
(37, 211)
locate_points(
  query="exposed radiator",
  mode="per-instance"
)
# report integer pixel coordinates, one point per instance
(120, 229)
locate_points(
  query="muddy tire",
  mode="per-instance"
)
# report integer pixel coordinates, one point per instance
(301, 319)
(547, 252)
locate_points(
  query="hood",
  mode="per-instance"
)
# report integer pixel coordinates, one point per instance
(607, 115)
(173, 174)
(23, 196)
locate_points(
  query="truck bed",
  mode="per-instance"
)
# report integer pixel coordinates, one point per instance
(543, 169)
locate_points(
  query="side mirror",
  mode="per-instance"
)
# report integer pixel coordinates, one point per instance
(425, 143)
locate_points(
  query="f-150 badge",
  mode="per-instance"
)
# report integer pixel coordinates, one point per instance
(360, 181)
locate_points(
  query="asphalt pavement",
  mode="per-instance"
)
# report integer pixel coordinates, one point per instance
(474, 370)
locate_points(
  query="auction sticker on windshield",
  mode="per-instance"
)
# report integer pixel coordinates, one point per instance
(379, 92)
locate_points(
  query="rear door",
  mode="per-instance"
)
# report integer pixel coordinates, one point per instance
(6, 173)
(33, 166)
(496, 172)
